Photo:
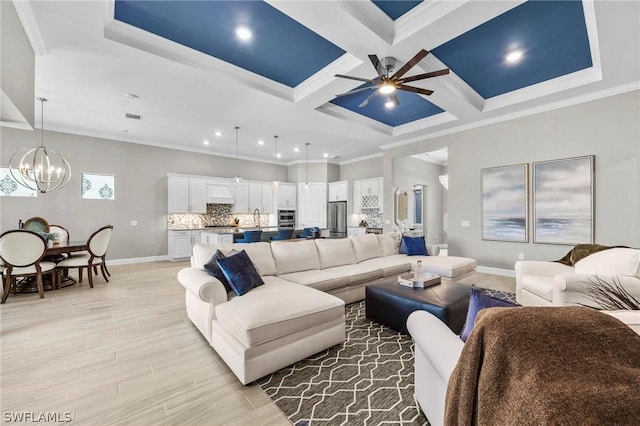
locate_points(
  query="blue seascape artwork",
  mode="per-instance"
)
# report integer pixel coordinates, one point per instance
(504, 203)
(563, 201)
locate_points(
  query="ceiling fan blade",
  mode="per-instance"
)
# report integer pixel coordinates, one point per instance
(355, 78)
(362, 89)
(417, 58)
(414, 89)
(376, 64)
(423, 76)
(366, 101)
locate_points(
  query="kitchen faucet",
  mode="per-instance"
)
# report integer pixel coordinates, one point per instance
(256, 222)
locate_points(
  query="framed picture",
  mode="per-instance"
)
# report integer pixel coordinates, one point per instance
(505, 191)
(98, 186)
(563, 193)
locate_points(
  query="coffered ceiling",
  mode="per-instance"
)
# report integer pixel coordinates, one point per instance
(194, 77)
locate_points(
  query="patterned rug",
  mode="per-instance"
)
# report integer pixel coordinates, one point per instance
(368, 380)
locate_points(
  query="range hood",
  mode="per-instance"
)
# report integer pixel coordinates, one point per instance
(219, 194)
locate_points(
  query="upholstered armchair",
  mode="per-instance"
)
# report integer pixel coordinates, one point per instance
(541, 283)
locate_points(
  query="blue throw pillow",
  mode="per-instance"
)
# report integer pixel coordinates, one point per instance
(240, 272)
(413, 246)
(214, 270)
(478, 301)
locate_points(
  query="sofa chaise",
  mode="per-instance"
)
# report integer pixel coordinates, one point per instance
(299, 310)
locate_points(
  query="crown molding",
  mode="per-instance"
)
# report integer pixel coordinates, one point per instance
(519, 114)
(363, 158)
(30, 25)
(372, 17)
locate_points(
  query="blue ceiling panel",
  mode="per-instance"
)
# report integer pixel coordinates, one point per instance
(281, 49)
(396, 8)
(552, 35)
(412, 107)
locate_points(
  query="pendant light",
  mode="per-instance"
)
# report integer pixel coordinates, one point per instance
(306, 188)
(275, 185)
(40, 169)
(237, 181)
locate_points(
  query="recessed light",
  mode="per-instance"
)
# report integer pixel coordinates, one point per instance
(132, 96)
(217, 133)
(243, 32)
(260, 142)
(389, 104)
(296, 149)
(514, 56)
(325, 155)
(279, 155)
(205, 142)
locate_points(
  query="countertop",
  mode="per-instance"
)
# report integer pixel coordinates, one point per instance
(227, 230)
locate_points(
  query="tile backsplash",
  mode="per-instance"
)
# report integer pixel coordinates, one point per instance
(217, 215)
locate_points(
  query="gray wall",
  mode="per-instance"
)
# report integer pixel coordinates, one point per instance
(408, 171)
(317, 172)
(365, 169)
(18, 62)
(141, 188)
(608, 128)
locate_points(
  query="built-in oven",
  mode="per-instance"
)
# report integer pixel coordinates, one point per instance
(286, 219)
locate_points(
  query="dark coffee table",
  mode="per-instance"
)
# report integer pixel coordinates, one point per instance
(391, 304)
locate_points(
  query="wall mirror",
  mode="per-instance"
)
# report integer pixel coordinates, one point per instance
(401, 201)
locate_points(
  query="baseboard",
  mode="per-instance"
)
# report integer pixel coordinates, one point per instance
(136, 260)
(496, 271)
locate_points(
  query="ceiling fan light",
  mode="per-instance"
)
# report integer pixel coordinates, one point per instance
(389, 104)
(387, 88)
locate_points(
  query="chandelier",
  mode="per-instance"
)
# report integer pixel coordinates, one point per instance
(444, 181)
(40, 168)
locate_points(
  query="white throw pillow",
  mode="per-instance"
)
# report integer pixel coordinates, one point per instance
(388, 244)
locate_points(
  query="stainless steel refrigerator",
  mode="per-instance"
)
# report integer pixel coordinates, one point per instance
(337, 212)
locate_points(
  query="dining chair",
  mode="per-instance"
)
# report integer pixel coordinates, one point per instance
(21, 252)
(283, 234)
(98, 244)
(63, 234)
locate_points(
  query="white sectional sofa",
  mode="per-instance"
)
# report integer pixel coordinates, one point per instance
(299, 310)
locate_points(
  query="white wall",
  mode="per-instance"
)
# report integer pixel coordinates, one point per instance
(608, 128)
(141, 188)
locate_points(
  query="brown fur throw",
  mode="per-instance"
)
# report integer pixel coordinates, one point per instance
(581, 251)
(546, 366)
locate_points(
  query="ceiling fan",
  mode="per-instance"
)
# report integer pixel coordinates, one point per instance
(387, 84)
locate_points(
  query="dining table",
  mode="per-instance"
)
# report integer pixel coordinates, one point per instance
(29, 285)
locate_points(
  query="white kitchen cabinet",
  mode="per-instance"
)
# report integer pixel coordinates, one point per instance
(287, 196)
(181, 243)
(240, 198)
(312, 207)
(255, 196)
(368, 194)
(339, 191)
(187, 195)
(216, 238)
(267, 198)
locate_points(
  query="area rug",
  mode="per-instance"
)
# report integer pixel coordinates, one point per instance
(368, 380)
